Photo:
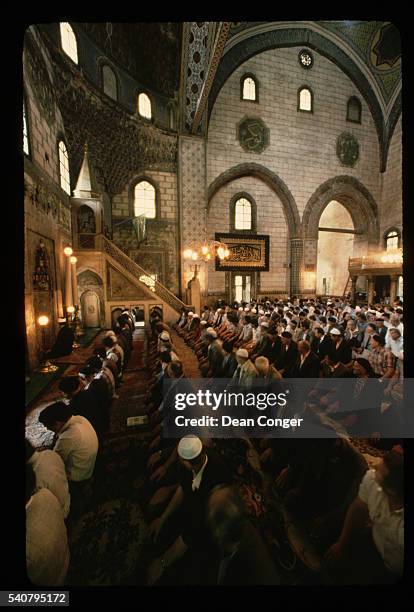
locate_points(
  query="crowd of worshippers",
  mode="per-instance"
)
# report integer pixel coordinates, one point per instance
(307, 339)
(56, 476)
(199, 525)
(201, 529)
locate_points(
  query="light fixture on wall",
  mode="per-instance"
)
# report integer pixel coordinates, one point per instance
(206, 250)
(45, 367)
(68, 251)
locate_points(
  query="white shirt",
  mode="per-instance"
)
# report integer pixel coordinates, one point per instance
(387, 525)
(47, 551)
(400, 328)
(77, 444)
(50, 474)
(197, 479)
(395, 346)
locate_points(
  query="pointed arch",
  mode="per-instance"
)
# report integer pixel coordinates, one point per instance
(354, 196)
(272, 180)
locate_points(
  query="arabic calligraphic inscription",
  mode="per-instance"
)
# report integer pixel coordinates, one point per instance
(253, 135)
(347, 149)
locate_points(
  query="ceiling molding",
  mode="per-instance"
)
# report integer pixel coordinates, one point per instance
(220, 41)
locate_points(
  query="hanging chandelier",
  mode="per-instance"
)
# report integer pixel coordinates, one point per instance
(206, 250)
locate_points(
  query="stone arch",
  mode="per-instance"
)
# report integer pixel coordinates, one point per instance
(90, 282)
(89, 277)
(271, 179)
(354, 196)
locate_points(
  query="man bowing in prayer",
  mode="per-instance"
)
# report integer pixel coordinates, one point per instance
(201, 470)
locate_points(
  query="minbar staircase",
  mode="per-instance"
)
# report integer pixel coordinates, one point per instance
(118, 259)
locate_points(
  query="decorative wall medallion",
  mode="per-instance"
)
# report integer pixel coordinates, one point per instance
(347, 149)
(246, 252)
(253, 135)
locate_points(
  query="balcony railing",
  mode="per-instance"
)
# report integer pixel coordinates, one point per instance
(383, 263)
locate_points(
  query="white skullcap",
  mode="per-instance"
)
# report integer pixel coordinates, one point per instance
(204, 323)
(110, 333)
(264, 324)
(267, 312)
(212, 333)
(240, 308)
(285, 308)
(196, 316)
(335, 332)
(242, 353)
(254, 310)
(165, 335)
(189, 447)
(191, 314)
(246, 309)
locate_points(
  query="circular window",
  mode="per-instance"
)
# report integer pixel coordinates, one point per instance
(305, 58)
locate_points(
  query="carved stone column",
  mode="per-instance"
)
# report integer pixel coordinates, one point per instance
(393, 288)
(370, 290)
(296, 266)
(353, 288)
(74, 282)
(195, 292)
(68, 283)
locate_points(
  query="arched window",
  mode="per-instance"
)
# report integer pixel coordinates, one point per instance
(68, 41)
(249, 89)
(144, 200)
(243, 215)
(144, 106)
(353, 111)
(26, 148)
(109, 84)
(392, 240)
(64, 167)
(305, 99)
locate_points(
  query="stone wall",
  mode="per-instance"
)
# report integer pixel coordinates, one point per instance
(391, 200)
(270, 221)
(46, 205)
(159, 253)
(302, 146)
(302, 153)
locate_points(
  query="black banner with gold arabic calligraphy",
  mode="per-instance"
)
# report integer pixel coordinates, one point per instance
(250, 253)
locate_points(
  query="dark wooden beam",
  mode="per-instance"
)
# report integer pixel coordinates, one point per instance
(341, 231)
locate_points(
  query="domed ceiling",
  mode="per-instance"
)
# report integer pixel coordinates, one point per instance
(150, 52)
